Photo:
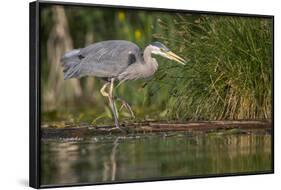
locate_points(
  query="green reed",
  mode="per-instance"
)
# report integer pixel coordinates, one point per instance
(229, 69)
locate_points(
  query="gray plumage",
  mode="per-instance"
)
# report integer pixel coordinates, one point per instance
(118, 59)
(115, 60)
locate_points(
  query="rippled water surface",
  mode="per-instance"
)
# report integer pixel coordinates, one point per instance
(111, 158)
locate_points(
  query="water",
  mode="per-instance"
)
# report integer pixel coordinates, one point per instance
(112, 158)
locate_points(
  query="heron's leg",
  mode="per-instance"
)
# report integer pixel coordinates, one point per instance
(126, 105)
(102, 90)
(112, 104)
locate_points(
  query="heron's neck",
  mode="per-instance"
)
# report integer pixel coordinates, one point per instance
(147, 54)
(148, 60)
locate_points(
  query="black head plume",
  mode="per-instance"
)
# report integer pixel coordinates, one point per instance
(160, 45)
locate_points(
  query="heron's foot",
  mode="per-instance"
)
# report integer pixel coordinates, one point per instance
(126, 105)
(117, 126)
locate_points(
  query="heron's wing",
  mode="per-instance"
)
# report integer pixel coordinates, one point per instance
(108, 58)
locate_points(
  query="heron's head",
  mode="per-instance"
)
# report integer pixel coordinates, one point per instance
(160, 49)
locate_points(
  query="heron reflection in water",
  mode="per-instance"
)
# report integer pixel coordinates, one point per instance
(115, 60)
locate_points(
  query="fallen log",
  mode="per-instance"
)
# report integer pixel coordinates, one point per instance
(87, 130)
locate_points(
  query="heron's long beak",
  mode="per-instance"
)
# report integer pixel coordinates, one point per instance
(175, 57)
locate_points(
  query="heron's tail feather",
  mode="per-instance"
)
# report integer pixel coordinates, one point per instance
(71, 63)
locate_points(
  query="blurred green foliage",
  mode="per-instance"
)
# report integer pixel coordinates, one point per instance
(228, 75)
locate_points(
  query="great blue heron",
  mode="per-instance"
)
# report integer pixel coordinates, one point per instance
(115, 60)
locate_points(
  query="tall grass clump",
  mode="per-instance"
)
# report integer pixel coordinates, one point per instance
(229, 72)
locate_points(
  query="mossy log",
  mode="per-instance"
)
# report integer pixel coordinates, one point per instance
(86, 130)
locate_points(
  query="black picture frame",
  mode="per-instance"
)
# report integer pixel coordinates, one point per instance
(35, 89)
